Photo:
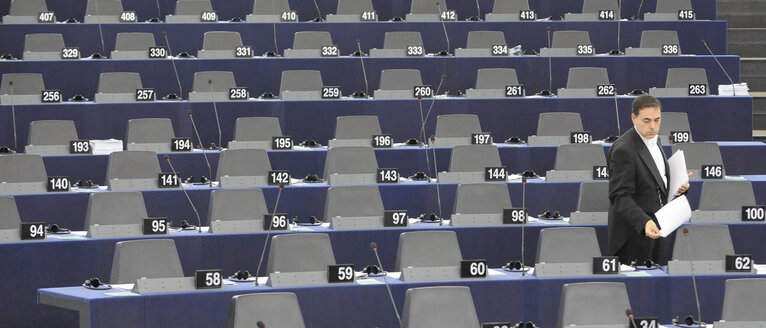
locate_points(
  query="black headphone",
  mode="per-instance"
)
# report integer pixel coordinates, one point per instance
(6, 150)
(86, 184)
(313, 221)
(636, 92)
(184, 55)
(269, 95)
(553, 215)
(412, 142)
(78, 98)
(54, 228)
(154, 20)
(235, 20)
(7, 57)
(310, 143)
(515, 140)
(419, 176)
(374, 271)
(688, 320)
(186, 226)
(359, 94)
(514, 266)
(97, 55)
(429, 218)
(648, 264)
(240, 275)
(397, 19)
(313, 178)
(171, 96)
(71, 20)
(611, 138)
(95, 283)
(529, 174)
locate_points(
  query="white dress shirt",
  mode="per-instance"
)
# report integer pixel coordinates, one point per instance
(659, 160)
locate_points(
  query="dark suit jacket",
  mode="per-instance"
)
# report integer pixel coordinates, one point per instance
(636, 189)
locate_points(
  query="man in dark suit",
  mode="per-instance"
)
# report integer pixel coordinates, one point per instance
(638, 182)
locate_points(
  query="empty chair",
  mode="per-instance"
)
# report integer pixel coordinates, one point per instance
(103, 11)
(133, 45)
(742, 300)
(709, 245)
(28, 12)
(480, 204)
(592, 204)
(492, 83)
(593, 304)
(417, 262)
(43, 46)
(115, 214)
(354, 207)
(301, 85)
(299, 259)
(190, 11)
(483, 43)
(698, 154)
(455, 129)
(118, 87)
(582, 82)
(440, 306)
(722, 201)
(554, 129)
(656, 43)
(426, 11)
(675, 125)
(400, 44)
(269, 11)
(350, 165)
(468, 163)
(668, 10)
(255, 132)
(50, 137)
(243, 168)
(236, 210)
(681, 82)
(10, 221)
(153, 134)
(398, 83)
(132, 170)
(352, 11)
(355, 130)
(219, 44)
(21, 88)
(566, 251)
(148, 258)
(565, 43)
(308, 44)
(593, 10)
(212, 86)
(278, 309)
(576, 162)
(506, 10)
(22, 174)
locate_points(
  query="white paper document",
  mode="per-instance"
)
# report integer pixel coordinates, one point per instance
(678, 174)
(673, 215)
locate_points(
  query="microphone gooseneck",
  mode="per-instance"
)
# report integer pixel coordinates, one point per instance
(364, 71)
(215, 110)
(444, 27)
(199, 222)
(632, 319)
(733, 92)
(694, 279)
(13, 118)
(207, 162)
(268, 235)
(374, 247)
(438, 194)
(172, 61)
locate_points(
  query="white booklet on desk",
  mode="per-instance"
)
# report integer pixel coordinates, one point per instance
(673, 215)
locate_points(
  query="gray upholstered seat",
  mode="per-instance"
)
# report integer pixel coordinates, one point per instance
(219, 44)
(301, 85)
(43, 46)
(573, 157)
(415, 250)
(474, 158)
(237, 210)
(354, 207)
(594, 197)
(189, 11)
(278, 309)
(395, 44)
(51, 133)
(567, 245)
(398, 83)
(554, 129)
(308, 44)
(132, 170)
(103, 11)
(707, 243)
(587, 77)
(674, 122)
(485, 39)
(351, 11)
(743, 301)
(133, 45)
(255, 132)
(722, 201)
(593, 304)
(482, 198)
(108, 208)
(682, 77)
(25, 12)
(26, 89)
(455, 129)
(10, 221)
(118, 87)
(153, 134)
(268, 11)
(149, 258)
(495, 78)
(243, 168)
(300, 253)
(350, 160)
(212, 86)
(22, 174)
(440, 306)
(356, 130)
(698, 154)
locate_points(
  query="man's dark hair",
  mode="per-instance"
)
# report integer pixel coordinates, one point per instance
(644, 101)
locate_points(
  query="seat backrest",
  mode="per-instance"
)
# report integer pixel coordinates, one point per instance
(726, 195)
(400, 79)
(658, 38)
(482, 198)
(23, 84)
(257, 128)
(700, 153)
(587, 77)
(27, 7)
(150, 130)
(495, 78)
(105, 208)
(150, 258)
(569, 39)
(594, 6)
(682, 77)
(577, 157)
(243, 162)
(353, 201)
(427, 6)
(558, 124)
(300, 252)
(594, 197)
(222, 81)
(474, 158)
(356, 127)
(593, 303)
(119, 82)
(354, 7)
(440, 306)
(457, 125)
(134, 41)
(104, 8)
(743, 300)
(707, 242)
(221, 40)
(674, 121)
(22, 168)
(270, 7)
(43, 42)
(567, 245)
(236, 204)
(133, 165)
(350, 160)
(402, 39)
(312, 40)
(192, 7)
(509, 6)
(416, 249)
(51, 132)
(485, 39)
(301, 80)
(9, 213)
(278, 309)
(672, 6)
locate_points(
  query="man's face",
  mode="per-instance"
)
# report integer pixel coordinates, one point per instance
(647, 122)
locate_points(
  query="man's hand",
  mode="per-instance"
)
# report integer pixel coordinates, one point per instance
(651, 231)
(682, 189)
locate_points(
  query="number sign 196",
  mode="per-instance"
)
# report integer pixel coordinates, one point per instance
(382, 141)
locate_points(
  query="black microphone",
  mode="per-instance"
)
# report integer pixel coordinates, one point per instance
(159, 12)
(13, 115)
(444, 27)
(360, 94)
(721, 66)
(215, 110)
(374, 248)
(549, 92)
(630, 316)
(424, 119)
(100, 34)
(617, 116)
(619, 19)
(694, 282)
(268, 234)
(318, 19)
(175, 70)
(638, 13)
(524, 223)
(209, 169)
(199, 222)
(438, 194)
(260, 324)
(274, 29)
(476, 18)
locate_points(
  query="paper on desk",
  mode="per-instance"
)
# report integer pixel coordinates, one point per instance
(673, 215)
(678, 173)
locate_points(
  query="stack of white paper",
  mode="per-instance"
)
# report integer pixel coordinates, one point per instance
(106, 147)
(739, 89)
